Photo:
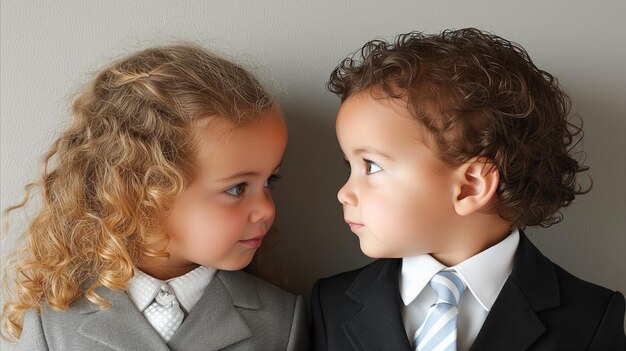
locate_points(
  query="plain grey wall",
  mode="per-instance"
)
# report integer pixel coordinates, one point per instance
(49, 48)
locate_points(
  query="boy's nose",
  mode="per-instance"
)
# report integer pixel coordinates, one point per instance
(346, 196)
(264, 208)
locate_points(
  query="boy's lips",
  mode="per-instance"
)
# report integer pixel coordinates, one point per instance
(253, 243)
(353, 225)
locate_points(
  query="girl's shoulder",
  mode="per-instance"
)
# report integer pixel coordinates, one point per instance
(48, 327)
(270, 307)
(78, 309)
(247, 289)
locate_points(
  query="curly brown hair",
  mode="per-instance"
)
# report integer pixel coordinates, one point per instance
(110, 176)
(480, 96)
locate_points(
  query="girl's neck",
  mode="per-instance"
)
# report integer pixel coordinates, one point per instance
(167, 270)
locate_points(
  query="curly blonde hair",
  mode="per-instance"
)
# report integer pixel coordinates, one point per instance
(111, 175)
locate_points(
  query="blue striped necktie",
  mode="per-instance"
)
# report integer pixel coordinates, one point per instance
(438, 332)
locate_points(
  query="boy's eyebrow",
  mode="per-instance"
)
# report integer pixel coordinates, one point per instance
(248, 174)
(367, 150)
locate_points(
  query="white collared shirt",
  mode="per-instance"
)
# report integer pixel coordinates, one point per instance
(188, 288)
(484, 274)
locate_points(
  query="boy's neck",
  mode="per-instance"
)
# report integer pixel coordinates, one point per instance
(473, 238)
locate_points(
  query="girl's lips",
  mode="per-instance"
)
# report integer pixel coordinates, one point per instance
(253, 243)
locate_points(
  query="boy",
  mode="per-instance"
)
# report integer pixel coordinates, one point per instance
(456, 142)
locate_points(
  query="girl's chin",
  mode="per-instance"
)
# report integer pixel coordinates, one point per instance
(235, 265)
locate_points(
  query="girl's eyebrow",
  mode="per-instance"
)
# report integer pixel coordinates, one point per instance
(248, 174)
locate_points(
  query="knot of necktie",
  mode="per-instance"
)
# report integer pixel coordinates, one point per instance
(165, 296)
(448, 286)
(165, 314)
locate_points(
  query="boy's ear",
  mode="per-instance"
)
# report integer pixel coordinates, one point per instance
(476, 185)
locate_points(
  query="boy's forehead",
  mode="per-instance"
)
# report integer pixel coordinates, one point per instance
(369, 124)
(379, 96)
(367, 110)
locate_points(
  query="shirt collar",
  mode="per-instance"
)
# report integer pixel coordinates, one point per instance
(484, 273)
(143, 288)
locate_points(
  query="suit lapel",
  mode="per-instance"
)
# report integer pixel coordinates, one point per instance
(121, 327)
(532, 287)
(512, 323)
(215, 321)
(377, 322)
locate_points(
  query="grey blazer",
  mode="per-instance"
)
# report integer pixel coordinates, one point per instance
(236, 312)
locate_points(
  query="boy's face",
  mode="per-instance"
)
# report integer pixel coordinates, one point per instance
(220, 219)
(398, 199)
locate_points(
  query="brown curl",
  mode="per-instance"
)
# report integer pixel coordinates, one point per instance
(480, 96)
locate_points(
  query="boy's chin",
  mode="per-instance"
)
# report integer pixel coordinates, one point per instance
(376, 251)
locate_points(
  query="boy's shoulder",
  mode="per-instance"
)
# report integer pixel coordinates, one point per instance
(589, 302)
(533, 272)
(539, 297)
(359, 307)
(568, 281)
(543, 280)
(356, 282)
(555, 306)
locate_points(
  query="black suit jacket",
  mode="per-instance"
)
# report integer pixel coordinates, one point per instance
(540, 307)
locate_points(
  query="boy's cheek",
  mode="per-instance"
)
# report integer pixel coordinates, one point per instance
(404, 228)
(388, 225)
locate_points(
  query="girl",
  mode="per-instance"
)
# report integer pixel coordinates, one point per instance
(153, 201)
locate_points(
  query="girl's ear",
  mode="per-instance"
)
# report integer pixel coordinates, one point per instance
(475, 186)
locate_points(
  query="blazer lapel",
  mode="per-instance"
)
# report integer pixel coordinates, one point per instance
(121, 327)
(532, 287)
(215, 321)
(377, 322)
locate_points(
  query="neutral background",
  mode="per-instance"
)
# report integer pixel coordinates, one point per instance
(48, 49)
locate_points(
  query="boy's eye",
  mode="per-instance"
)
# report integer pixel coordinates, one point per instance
(236, 190)
(371, 167)
(269, 183)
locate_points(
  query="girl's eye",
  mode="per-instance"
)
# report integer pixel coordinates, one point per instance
(371, 167)
(269, 183)
(236, 190)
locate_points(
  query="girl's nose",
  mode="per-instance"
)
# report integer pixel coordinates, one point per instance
(264, 208)
(346, 196)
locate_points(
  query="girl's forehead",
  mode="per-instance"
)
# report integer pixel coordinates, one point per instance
(212, 127)
(224, 148)
(218, 126)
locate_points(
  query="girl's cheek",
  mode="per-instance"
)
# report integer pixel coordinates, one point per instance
(230, 220)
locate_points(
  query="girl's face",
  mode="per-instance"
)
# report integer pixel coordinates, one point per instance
(221, 218)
